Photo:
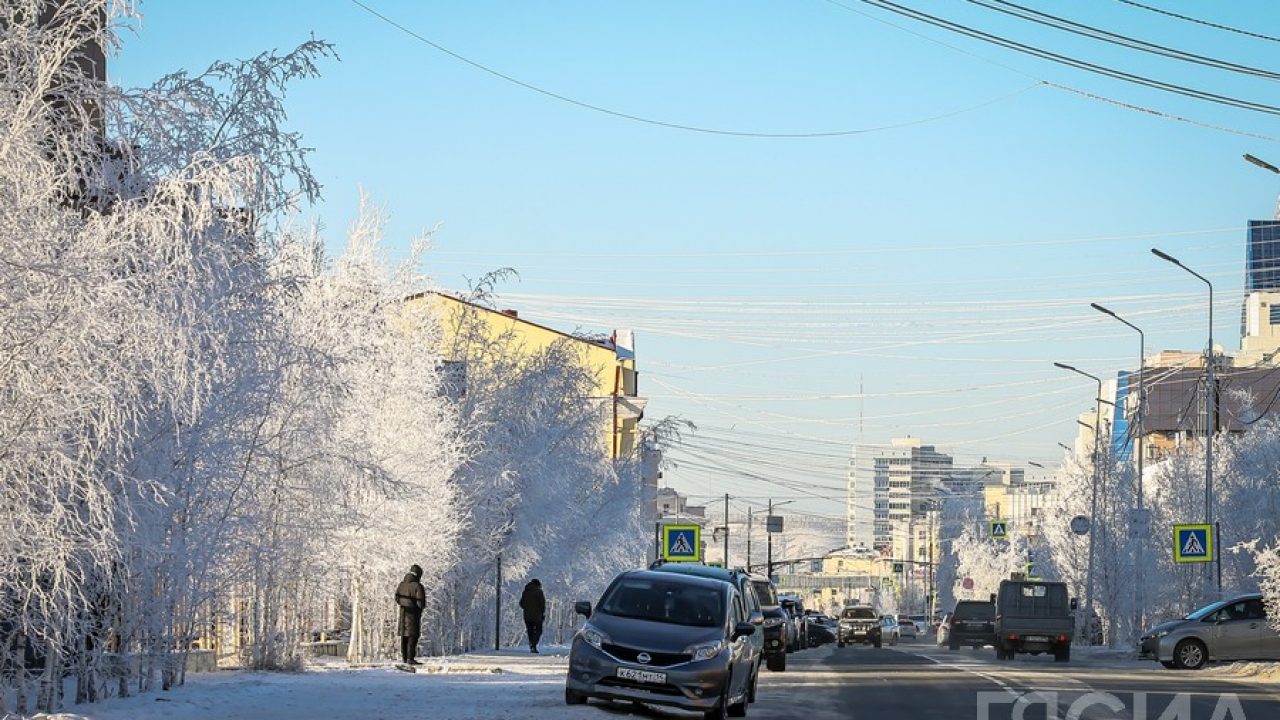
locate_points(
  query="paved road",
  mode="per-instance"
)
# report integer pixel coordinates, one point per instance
(917, 681)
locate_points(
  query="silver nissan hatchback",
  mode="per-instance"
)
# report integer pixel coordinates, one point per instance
(665, 639)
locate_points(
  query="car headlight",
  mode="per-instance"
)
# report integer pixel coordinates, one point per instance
(705, 651)
(1159, 634)
(594, 637)
(772, 622)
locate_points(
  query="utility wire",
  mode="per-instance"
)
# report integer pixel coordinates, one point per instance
(680, 126)
(1066, 88)
(1096, 33)
(1198, 21)
(1072, 62)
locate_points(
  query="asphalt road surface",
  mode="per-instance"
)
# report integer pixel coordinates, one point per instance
(918, 681)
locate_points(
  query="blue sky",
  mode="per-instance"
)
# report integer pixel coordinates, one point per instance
(941, 264)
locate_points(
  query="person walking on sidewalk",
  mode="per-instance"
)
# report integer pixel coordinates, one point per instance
(412, 599)
(534, 604)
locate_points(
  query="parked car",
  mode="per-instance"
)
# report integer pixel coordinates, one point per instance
(776, 623)
(822, 628)
(665, 639)
(859, 624)
(944, 629)
(745, 584)
(1033, 617)
(1233, 629)
(889, 634)
(820, 633)
(973, 624)
(794, 606)
(907, 628)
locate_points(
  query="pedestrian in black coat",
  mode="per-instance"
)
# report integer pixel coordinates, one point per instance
(412, 599)
(534, 604)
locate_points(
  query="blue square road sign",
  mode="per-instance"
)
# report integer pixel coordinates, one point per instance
(1192, 543)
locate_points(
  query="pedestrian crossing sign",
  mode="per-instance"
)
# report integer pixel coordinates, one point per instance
(1192, 543)
(999, 530)
(682, 543)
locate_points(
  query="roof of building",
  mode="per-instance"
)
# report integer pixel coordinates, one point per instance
(513, 315)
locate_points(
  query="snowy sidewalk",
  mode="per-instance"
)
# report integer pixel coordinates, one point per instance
(507, 685)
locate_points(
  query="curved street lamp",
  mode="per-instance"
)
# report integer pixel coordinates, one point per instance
(1141, 437)
(1212, 420)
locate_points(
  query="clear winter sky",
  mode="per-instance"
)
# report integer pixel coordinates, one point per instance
(941, 261)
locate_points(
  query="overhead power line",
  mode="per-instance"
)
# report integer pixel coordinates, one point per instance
(1096, 33)
(1095, 68)
(1198, 21)
(681, 126)
(1066, 88)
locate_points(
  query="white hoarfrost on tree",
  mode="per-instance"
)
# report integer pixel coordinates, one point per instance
(986, 562)
(213, 437)
(538, 487)
(1113, 543)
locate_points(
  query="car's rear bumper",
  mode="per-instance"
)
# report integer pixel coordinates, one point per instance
(692, 685)
(965, 637)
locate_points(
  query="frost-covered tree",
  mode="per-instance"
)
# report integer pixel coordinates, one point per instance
(203, 423)
(212, 435)
(537, 486)
(1267, 561)
(986, 562)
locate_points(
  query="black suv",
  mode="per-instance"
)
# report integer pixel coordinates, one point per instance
(973, 623)
(859, 624)
(775, 624)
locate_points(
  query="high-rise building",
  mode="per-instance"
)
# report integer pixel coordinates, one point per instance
(1262, 257)
(887, 485)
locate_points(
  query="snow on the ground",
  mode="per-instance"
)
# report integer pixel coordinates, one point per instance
(509, 684)
(1262, 672)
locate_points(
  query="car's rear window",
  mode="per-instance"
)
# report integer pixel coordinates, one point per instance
(764, 591)
(975, 611)
(858, 614)
(1033, 599)
(663, 601)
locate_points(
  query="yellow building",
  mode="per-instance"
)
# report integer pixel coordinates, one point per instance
(610, 359)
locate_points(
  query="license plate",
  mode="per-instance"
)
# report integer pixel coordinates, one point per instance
(644, 676)
(1036, 638)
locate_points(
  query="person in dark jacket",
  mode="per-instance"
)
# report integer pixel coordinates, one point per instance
(534, 604)
(412, 599)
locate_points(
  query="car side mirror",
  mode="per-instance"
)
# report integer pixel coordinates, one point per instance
(582, 607)
(757, 618)
(993, 597)
(743, 629)
(1075, 604)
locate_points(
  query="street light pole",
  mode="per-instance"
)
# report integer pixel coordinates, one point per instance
(1093, 490)
(769, 566)
(1138, 585)
(1211, 392)
(726, 531)
(1269, 168)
